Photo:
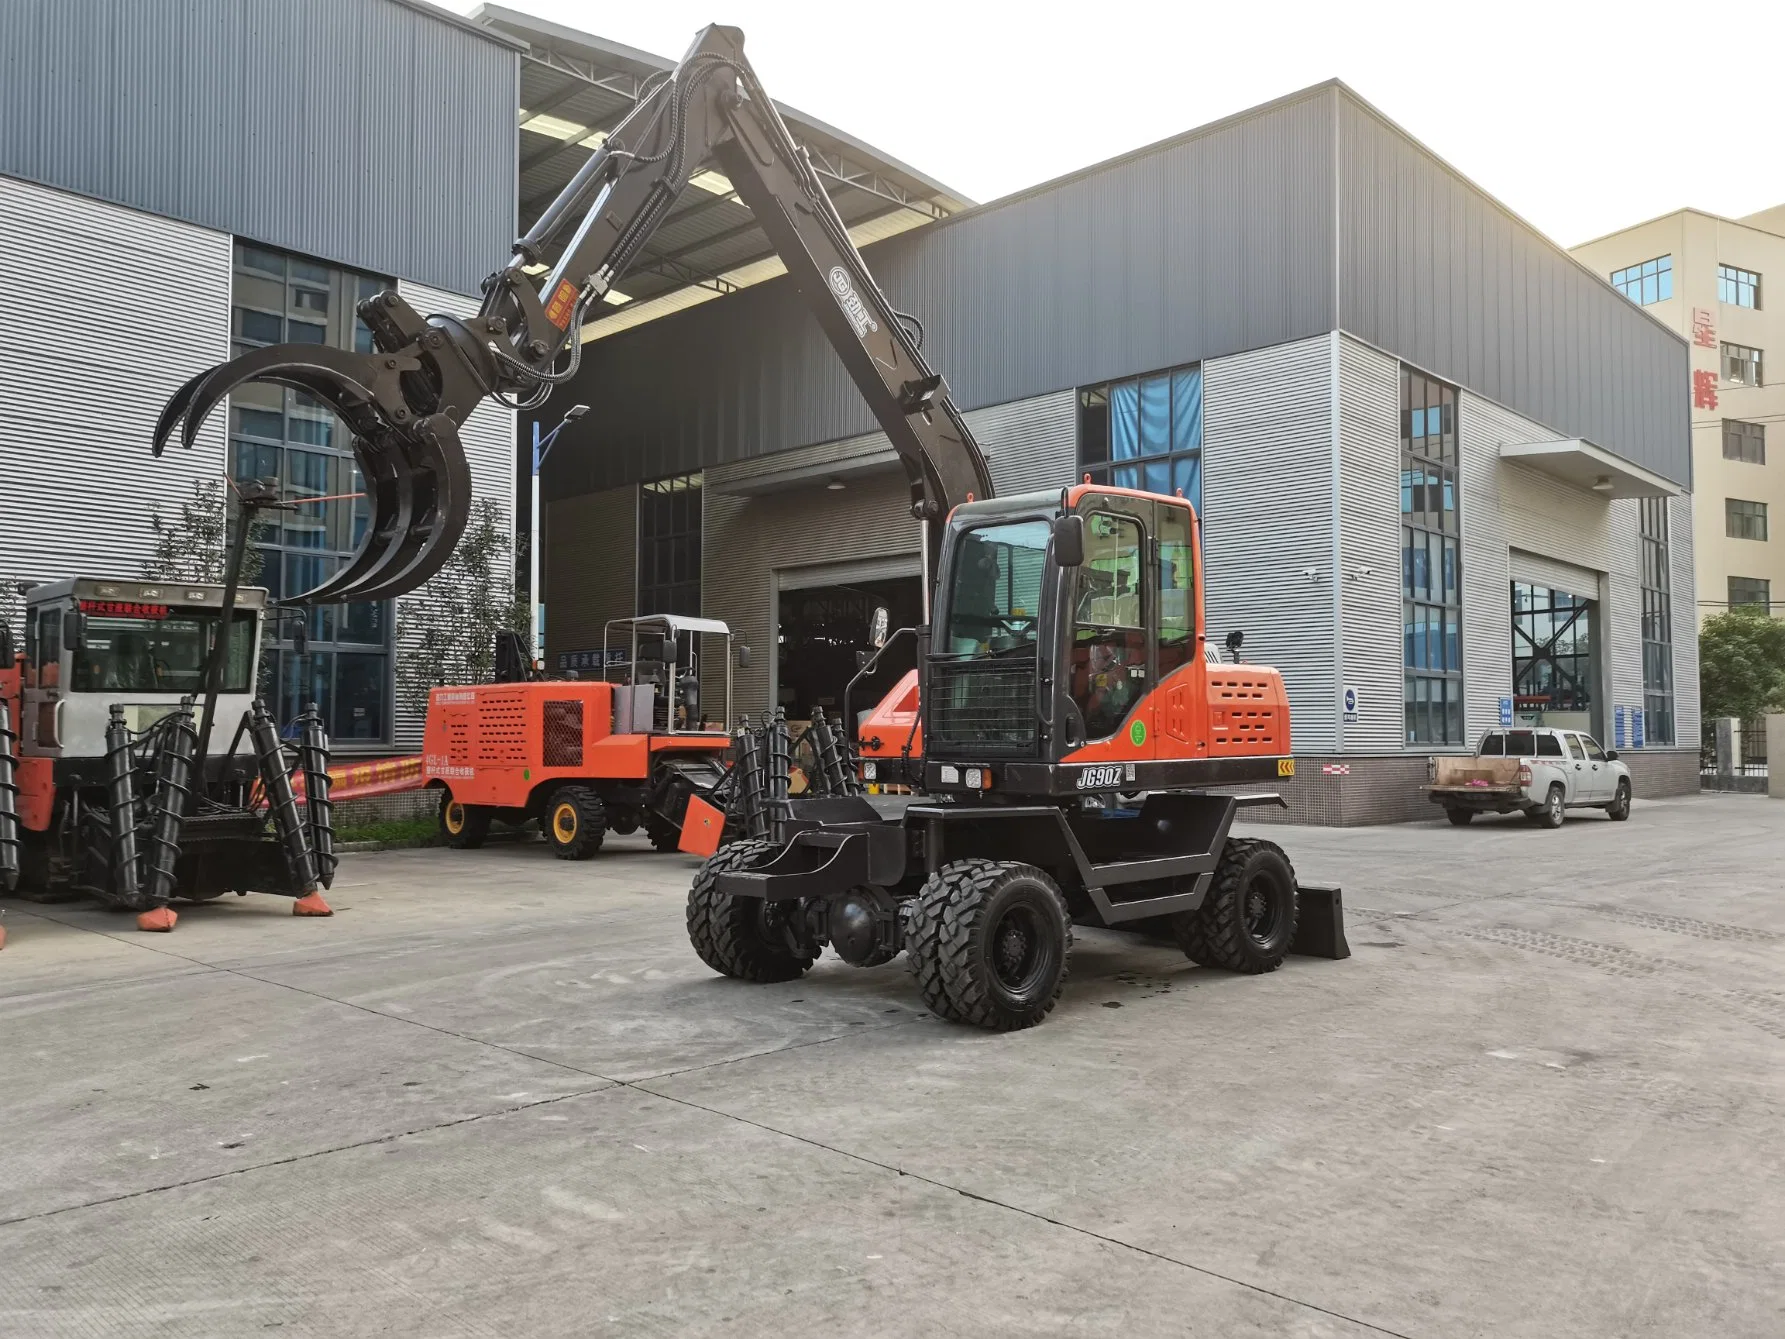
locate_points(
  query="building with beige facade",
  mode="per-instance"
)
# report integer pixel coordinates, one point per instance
(1720, 282)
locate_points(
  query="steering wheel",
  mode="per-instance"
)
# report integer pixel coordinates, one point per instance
(1015, 625)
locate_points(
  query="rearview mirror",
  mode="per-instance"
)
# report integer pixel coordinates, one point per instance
(877, 626)
(1611, 755)
(74, 630)
(1235, 640)
(1069, 540)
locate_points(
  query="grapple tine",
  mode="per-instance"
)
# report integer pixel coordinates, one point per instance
(346, 381)
(441, 505)
(175, 409)
(386, 472)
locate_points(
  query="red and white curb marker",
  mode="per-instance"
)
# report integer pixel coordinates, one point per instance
(1336, 768)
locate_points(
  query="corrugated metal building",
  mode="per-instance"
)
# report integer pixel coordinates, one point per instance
(1442, 467)
(178, 182)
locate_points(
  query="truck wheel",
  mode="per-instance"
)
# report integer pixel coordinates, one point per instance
(575, 822)
(1460, 818)
(1549, 814)
(749, 938)
(989, 942)
(463, 826)
(1619, 809)
(664, 835)
(1247, 922)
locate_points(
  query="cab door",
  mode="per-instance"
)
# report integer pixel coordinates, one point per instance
(39, 731)
(1111, 668)
(1182, 693)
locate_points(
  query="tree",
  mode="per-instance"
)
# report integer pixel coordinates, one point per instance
(1741, 663)
(446, 632)
(194, 545)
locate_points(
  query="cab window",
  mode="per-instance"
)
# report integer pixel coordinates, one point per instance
(1177, 589)
(1549, 746)
(1109, 638)
(1492, 746)
(1594, 752)
(1575, 751)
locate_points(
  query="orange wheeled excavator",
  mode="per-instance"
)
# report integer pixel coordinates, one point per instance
(1078, 749)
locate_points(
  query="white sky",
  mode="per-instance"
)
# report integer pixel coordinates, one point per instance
(1581, 116)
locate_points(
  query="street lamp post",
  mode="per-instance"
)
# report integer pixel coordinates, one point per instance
(542, 447)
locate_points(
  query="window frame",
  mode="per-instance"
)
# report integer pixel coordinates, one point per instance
(311, 454)
(1738, 523)
(1096, 429)
(1744, 442)
(1431, 563)
(1735, 357)
(1658, 269)
(1761, 586)
(680, 543)
(1733, 282)
(1656, 645)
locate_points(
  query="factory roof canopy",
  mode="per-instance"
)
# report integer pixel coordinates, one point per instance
(576, 87)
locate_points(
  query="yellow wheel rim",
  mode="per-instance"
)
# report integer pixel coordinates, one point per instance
(564, 822)
(455, 818)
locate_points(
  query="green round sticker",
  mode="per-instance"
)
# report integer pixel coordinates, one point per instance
(1137, 733)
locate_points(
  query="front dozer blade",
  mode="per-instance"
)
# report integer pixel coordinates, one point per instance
(417, 481)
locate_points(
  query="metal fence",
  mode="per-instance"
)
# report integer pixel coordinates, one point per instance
(1733, 759)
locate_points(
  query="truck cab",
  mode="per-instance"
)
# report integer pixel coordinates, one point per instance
(142, 644)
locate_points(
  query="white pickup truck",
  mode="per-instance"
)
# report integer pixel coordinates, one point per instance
(1541, 772)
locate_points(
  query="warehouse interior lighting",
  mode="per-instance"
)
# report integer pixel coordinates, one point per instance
(835, 485)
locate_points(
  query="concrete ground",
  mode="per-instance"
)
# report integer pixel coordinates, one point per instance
(498, 1095)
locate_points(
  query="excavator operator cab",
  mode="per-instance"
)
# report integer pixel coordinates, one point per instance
(1068, 629)
(666, 680)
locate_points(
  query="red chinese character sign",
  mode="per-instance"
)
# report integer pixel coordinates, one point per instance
(1704, 328)
(1704, 389)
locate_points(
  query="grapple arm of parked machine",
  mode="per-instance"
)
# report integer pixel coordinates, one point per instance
(405, 400)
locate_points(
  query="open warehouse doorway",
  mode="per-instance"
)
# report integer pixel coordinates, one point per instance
(824, 629)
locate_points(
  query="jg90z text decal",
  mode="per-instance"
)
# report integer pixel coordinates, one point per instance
(1106, 777)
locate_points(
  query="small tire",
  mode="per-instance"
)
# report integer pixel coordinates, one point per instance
(1460, 818)
(575, 822)
(990, 943)
(665, 835)
(1247, 922)
(463, 827)
(1619, 809)
(745, 938)
(1551, 812)
(622, 822)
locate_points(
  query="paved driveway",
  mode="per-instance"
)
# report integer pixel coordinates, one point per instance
(498, 1095)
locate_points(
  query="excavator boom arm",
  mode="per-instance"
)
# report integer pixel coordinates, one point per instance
(406, 400)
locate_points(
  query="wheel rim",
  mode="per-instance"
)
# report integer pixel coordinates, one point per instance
(1018, 950)
(1262, 910)
(564, 822)
(455, 818)
(1555, 803)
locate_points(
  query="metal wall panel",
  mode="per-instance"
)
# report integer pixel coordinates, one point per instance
(363, 132)
(1268, 518)
(1369, 505)
(591, 567)
(488, 436)
(75, 483)
(1217, 242)
(1437, 272)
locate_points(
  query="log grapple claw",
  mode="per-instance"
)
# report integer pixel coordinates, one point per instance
(403, 402)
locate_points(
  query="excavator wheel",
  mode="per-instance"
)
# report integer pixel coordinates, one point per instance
(1247, 922)
(463, 826)
(989, 942)
(575, 822)
(748, 938)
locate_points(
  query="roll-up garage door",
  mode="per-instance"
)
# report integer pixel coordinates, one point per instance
(1533, 569)
(849, 573)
